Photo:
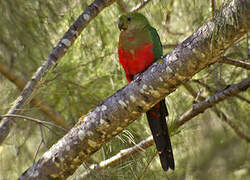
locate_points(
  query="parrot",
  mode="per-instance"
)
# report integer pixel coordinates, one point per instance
(139, 47)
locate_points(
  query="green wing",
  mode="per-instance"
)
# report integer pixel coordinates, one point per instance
(157, 43)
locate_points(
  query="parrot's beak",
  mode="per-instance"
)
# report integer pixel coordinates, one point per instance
(120, 24)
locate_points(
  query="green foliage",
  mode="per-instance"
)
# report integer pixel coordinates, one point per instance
(205, 148)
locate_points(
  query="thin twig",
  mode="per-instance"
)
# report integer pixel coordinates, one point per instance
(237, 63)
(33, 120)
(37, 150)
(215, 76)
(220, 114)
(211, 89)
(91, 171)
(195, 95)
(145, 169)
(237, 131)
(248, 48)
(75, 67)
(212, 6)
(42, 136)
(140, 6)
(122, 5)
(42, 141)
(51, 130)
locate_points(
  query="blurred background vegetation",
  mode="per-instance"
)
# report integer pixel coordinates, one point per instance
(205, 148)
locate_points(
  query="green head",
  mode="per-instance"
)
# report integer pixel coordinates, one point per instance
(132, 21)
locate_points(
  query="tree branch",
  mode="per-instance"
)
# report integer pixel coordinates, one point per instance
(237, 63)
(118, 158)
(209, 102)
(188, 115)
(212, 7)
(11, 77)
(109, 118)
(237, 131)
(169, 46)
(43, 107)
(122, 5)
(33, 120)
(222, 116)
(211, 89)
(195, 95)
(57, 53)
(140, 6)
(124, 8)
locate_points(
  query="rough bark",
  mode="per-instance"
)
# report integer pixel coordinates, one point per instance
(187, 116)
(57, 53)
(109, 118)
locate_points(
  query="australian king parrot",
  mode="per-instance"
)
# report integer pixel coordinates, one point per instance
(139, 46)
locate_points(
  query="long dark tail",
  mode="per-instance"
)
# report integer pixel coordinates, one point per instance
(157, 122)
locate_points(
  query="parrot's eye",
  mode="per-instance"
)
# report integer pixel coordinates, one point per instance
(129, 18)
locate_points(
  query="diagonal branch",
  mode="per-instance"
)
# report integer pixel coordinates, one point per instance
(11, 77)
(122, 5)
(188, 115)
(237, 131)
(237, 63)
(210, 88)
(124, 8)
(140, 6)
(108, 119)
(119, 157)
(57, 53)
(195, 95)
(209, 102)
(43, 107)
(221, 115)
